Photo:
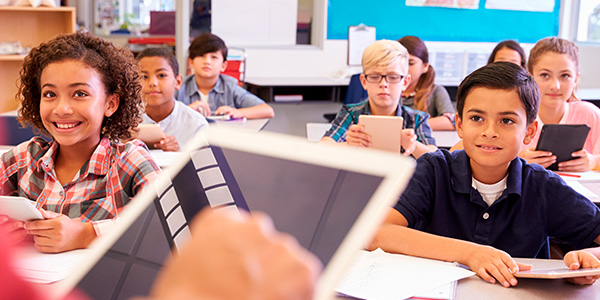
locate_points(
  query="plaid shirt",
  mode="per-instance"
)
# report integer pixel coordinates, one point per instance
(348, 115)
(114, 174)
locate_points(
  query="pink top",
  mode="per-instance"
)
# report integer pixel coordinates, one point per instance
(578, 112)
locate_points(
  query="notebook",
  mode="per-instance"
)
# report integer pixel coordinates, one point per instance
(310, 191)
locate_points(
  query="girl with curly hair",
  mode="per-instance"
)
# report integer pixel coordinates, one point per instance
(83, 93)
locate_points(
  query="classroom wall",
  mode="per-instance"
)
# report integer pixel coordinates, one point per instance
(307, 61)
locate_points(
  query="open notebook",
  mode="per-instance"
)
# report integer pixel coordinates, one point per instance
(330, 198)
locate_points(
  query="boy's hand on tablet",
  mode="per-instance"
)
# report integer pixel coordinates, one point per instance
(543, 158)
(230, 111)
(201, 107)
(582, 163)
(581, 259)
(168, 143)
(494, 265)
(356, 136)
(59, 233)
(408, 141)
(11, 230)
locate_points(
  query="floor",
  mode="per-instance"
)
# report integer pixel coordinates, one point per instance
(291, 117)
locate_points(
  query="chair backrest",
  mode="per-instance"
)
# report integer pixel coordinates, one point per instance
(355, 93)
(236, 64)
(315, 131)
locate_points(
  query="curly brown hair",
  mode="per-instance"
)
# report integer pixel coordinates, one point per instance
(117, 68)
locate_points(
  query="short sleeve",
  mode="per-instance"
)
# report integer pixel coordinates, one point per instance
(415, 202)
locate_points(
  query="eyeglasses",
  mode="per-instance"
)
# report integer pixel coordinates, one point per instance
(390, 78)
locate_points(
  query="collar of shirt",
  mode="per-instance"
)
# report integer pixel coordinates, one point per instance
(192, 86)
(462, 176)
(97, 164)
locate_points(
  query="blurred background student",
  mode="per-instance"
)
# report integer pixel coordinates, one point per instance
(509, 51)
(422, 94)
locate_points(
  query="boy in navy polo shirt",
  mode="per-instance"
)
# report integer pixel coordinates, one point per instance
(466, 205)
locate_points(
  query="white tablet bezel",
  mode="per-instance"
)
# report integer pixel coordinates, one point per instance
(19, 208)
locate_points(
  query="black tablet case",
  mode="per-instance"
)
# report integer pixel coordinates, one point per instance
(562, 140)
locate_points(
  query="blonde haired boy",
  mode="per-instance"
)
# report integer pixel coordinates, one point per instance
(385, 76)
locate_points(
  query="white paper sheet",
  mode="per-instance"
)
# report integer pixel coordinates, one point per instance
(39, 267)
(524, 5)
(379, 275)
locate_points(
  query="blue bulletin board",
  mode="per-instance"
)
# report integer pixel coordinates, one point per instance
(393, 20)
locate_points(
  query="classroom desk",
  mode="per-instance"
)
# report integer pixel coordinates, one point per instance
(475, 288)
(314, 88)
(445, 139)
(252, 124)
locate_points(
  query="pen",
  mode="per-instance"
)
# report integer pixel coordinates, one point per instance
(568, 175)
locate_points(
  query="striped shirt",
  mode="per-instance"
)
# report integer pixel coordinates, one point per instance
(349, 113)
(112, 176)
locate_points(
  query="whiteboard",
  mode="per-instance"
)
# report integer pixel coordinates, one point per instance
(255, 22)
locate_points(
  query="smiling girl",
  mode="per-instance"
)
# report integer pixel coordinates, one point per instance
(84, 94)
(554, 63)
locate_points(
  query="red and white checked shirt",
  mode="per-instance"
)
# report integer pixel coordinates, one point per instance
(114, 174)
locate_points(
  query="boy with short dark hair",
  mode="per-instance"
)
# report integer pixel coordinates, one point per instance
(160, 80)
(468, 204)
(212, 93)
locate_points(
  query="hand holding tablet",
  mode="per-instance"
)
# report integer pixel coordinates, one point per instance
(385, 131)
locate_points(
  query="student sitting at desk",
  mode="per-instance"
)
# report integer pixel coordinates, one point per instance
(160, 79)
(385, 65)
(509, 51)
(82, 92)
(483, 205)
(212, 93)
(554, 63)
(422, 93)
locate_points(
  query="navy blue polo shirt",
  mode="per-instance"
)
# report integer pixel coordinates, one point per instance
(535, 205)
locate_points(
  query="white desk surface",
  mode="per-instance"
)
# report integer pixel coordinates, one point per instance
(297, 81)
(445, 139)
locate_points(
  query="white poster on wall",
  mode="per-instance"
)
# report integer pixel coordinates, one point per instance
(255, 22)
(470, 4)
(525, 5)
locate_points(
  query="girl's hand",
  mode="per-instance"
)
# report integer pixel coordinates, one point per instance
(408, 141)
(494, 265)
(168, 143)
(356, 136)
(228, 110)
(581, 259)
(12, 230)
(59, 233)
(582, 163)
(542, 158)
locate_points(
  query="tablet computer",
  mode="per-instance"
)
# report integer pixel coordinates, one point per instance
(555, 273)
(385, 131)
(562, 140)
(150, 134)
(19, 208)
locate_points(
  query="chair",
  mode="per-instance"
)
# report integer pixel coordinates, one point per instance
(236, 64)
(315, 131)
(356, 93)
(12, 131)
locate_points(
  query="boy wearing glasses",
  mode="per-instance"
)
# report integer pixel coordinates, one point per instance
(385, 76)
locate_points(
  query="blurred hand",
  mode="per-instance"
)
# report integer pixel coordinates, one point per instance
(201, 107)
(168, 143)
(238, 257)
(542, 158)
(356, 136)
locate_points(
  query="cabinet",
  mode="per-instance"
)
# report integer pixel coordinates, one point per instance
(30, 26)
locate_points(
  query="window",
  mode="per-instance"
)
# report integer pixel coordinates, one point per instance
(588, 24)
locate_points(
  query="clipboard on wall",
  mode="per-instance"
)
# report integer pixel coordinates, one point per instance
(359, 38)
